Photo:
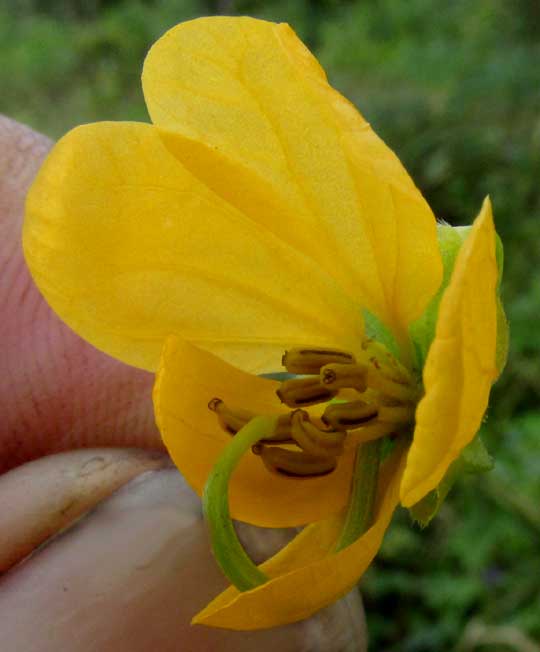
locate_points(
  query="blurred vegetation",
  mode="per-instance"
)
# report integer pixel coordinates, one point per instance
(454, 88)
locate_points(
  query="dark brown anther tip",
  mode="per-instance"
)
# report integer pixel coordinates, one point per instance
(214, 403)
(257, 449)
(328, 376)
(279, 394)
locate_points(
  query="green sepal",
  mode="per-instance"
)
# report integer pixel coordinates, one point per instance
(422, 331)
(474, 458)
(427, 508)
(376, 330)
(227, 549)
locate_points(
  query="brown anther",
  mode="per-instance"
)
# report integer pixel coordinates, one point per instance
(353, 414)
(312, 440)
(309, 361)
(301, 392)
(339, 376)
(282, 430)
(296, 463)
(257, 448)
(230, 419)
(213, 403)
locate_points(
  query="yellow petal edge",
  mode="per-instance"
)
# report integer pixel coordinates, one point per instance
(307, 575)
(460, 367)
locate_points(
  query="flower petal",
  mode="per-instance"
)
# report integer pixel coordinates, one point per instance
(247, 108)
(460, 367)
(128, 247)
(187, 380)
(307, 576)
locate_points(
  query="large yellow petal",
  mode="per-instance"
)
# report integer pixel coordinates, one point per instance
(460, 367)
(246, 107)
(128, 247)
(307, 575)
(187, 380)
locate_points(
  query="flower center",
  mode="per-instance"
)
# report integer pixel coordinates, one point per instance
(364, 399)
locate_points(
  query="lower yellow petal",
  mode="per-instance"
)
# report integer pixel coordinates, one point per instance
(306, 575)
(460, 367)
(188, 378)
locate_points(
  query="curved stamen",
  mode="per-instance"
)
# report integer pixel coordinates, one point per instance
(339, 376)
(379, 355)
(389, 393)
(230, 420)
(309, 361)
(294, 463)
(352, 414)
(314, 441)
(234, 419)
(396, 414)
(300, 392)
(374, 430)
(390, 387)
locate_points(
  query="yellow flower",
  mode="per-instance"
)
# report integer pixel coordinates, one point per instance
(257, 213)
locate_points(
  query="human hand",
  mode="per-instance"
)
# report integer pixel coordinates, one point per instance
(132, 563)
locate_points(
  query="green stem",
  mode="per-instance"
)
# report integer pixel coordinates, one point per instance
(227, 549)
(363, 493)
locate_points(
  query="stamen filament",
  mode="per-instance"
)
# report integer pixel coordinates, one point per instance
(336, 376)
(372, 431)
(386, 361)
(396, 414)
(400, 391)
(314, 441)
(227, 549)
(230, 420)
(363, 492)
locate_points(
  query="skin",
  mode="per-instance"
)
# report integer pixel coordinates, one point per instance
(102, 544)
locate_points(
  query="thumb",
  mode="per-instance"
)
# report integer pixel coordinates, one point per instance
(56, 391)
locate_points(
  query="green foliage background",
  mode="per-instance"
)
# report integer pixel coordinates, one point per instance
(454, 89)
